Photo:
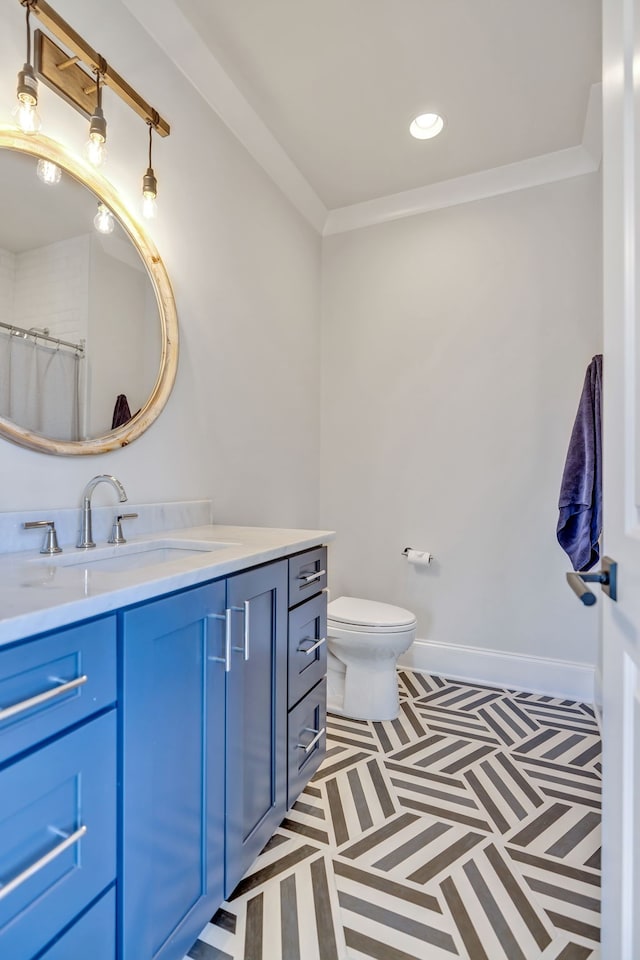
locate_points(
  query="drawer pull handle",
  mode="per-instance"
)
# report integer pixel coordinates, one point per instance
(42, 698)
(312, 576)
(40, 864)
(307, 747)
(313, 647)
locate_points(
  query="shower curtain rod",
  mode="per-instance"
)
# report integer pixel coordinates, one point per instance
(78, 347)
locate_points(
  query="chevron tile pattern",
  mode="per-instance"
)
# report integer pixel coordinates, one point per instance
(469, 827)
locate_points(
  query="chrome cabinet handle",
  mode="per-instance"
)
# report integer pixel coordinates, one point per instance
(244, 609)
(40, 864)
(42, 697)
(315, 646)
(226, 616)
(312, 576)
(227, 633)
(309, 746)
(246, 629)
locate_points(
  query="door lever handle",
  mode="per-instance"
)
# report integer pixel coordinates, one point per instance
(607, 577)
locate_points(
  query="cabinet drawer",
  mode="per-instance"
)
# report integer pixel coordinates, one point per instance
(307, 646)
(307, 740)
(93, 935)
(52, 682)
(307, 574)
(57, 835)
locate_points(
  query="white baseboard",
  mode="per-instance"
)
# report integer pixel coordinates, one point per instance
(554, 678)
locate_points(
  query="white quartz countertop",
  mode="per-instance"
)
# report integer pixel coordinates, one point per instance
(38, 593)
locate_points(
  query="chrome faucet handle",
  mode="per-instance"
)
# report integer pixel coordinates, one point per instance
(117, 535)
(50, 545)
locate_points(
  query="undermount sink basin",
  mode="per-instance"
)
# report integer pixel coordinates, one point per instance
(135, 556)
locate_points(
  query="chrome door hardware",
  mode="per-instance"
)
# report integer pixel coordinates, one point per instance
(607, 577)
(68, 841)
(39, 698)
(314, 646)
(50, 545)
(308, 747)
(312, 576)
(226, 616)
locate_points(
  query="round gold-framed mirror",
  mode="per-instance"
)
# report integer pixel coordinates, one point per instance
(107, 360)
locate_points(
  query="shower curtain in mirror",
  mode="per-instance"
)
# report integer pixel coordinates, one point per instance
(39, 386)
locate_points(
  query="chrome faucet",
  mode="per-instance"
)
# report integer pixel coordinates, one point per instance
(86, 534)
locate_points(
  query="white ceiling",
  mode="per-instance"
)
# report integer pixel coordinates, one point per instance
(336, 82)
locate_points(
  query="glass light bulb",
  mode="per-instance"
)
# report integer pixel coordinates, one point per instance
(50, 173)
(149, 207)
(95, 150)
(26, 115)
(103, 220)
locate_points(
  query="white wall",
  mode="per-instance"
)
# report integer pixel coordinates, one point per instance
(124, 341)
(454, 350)
(242, 425)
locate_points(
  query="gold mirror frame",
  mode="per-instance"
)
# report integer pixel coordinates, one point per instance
(42, 147)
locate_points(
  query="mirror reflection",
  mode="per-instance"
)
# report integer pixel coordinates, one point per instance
(80, 330)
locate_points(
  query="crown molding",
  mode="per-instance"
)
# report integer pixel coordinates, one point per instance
(174, 34)
(548, 168)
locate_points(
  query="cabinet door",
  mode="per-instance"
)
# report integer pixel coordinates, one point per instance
(57, 835)
(256, 732)
(307, 646)
(93, 935)
(173, 771)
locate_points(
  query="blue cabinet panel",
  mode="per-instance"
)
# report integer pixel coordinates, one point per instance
(307, 739)
(50, 670)
(57, 835)
(307, 646)
(307, 574)
(92, 937)
(172, 722)
(256, 722)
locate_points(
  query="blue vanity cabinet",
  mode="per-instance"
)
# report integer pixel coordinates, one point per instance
(307, 663)
(57, 787)
(256, 736)
(172, 736)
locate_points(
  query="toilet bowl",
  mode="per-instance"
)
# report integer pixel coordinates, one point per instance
(364, 640)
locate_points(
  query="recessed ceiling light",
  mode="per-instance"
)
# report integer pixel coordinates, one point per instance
(425, 126)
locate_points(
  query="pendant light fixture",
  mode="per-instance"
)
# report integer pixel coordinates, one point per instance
(149, 186)
(25, 112)
(95, 150)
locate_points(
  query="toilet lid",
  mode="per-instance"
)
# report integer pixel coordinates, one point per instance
(352, 610)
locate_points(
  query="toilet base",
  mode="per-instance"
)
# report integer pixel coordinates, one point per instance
(363, 692)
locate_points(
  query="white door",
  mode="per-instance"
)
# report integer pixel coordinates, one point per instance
(621, 509)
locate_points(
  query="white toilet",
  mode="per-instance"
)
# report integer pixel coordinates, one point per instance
(365, 639)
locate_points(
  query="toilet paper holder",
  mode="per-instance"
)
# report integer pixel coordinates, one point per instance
(424, 553)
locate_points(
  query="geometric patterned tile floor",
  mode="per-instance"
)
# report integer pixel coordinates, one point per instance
(469, 827)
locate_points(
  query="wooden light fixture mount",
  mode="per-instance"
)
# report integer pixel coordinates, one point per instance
(71, 71)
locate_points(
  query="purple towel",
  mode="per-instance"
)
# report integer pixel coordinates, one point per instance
(121, 412)
(580, 503)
